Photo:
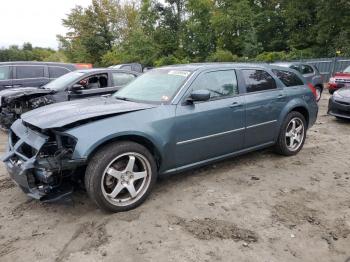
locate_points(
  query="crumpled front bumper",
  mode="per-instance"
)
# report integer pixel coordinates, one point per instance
(28, 170)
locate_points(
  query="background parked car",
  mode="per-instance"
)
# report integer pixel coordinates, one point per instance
(311, 74)
(132, 67)
(74, 85)
(33, 74)
(339, 103)
(339, 80)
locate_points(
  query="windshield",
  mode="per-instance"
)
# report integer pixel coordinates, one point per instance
(347, 70)
(156, 86)
(62, 82)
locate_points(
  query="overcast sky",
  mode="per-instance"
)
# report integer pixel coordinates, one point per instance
(35, 21)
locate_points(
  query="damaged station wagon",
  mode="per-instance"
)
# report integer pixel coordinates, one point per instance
(166, 121)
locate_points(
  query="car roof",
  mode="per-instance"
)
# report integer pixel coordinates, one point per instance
(204, 66)
(33, 63)
(97, 70)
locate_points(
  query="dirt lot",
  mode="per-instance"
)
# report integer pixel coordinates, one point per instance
(258, 207)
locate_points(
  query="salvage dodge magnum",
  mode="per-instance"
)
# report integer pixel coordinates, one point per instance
(75, 85)
(168, 120)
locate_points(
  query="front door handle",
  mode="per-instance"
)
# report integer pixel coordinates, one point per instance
(280, 96)
(7, 86)
(235, 104)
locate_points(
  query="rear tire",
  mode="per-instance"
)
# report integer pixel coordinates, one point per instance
(120, 176)
(292, 134)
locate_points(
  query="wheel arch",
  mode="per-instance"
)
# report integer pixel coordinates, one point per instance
(302, 110)
(137, 138)
(297, 105)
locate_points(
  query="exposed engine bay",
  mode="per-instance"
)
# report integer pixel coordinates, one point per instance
(11, 109)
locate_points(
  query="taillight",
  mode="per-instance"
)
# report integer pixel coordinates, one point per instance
(83, 66)
(312, 88)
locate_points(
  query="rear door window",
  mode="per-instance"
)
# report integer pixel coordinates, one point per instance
(5, 73)
(258, 80)
(57, 71)
(306, 69)
(121, 79)
(295, 67)
(23, 72)
(220, 84)
(288, 78)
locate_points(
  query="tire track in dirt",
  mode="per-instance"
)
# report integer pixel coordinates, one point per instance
(88, 236)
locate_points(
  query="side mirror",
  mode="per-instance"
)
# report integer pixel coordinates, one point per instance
(199, 95)
(76, 88)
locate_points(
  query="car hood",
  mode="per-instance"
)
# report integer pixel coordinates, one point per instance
(71, 112)
(344, 92)
(23, 91)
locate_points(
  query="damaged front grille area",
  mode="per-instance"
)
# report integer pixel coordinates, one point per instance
(42, 162)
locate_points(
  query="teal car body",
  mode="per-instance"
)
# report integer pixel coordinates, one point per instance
(179, 132)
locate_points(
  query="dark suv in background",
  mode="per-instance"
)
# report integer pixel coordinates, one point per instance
(33, 74)
(311, 74)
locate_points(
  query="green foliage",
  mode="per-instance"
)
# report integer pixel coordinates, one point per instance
(161, 32)
(222, 56)
(29, 53)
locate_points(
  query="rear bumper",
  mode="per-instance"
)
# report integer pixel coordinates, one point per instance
(338, 108)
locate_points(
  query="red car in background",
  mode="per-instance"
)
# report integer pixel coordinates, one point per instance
(339, 80)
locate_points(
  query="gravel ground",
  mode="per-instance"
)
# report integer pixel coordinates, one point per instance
(257, 207)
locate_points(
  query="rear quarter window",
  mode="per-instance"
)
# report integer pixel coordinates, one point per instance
(258, 80)
(57, 71)
(288, 78)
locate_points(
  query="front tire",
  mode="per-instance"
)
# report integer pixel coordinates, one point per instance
(292, 134)
(120, 176)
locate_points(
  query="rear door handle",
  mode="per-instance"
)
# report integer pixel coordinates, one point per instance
(281, 96)
(7, 86)
(235, 104)
(17, 86)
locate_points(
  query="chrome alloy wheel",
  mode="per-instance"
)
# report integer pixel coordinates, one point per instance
(126, 179)
(295, 134)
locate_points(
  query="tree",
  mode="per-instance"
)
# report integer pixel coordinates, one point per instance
(199, 38)
(92, 31)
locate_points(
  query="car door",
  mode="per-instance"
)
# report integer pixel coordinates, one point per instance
(92, 85)
(5, 77)
(264, 101)
(213, 128)
(29, 76)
